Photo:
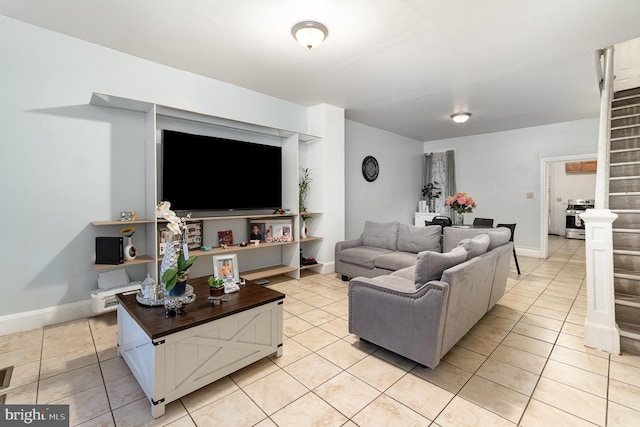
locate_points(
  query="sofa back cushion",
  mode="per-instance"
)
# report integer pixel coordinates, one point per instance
(451, 236)
(476, 246)
(430, 265)
(381, 235)
(414, 239)
(498, 237)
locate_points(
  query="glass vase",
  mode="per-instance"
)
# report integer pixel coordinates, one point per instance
(457, 218)
(170, 258)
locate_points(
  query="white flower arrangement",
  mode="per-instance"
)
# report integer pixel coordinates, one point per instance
(176, 224)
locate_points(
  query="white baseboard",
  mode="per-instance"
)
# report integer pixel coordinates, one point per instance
(28, 320)
(533, 253)
(328, 268)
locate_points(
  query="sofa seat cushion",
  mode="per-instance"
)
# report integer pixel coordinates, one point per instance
(416, 239)
(363, 255)
(430, 265)
(395, 260)
(476, 246)
(395, 283)
(408, 273)
(381, 235)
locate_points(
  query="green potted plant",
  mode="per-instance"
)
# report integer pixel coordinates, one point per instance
(304, 183)
(216, 287)
(178, 276)
(431, 191)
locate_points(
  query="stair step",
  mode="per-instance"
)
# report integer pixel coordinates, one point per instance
(625, 126)
(625, 170)
(626, 274)
(626, 251)
(624, 185)
(636, 162)
(625, 131)
(626, 230)
(628, 101)
(624, 200)
(626, 193)
(629, 330)
(629, 344)
(625, 116)
(625, 93)
(630, 109)
(628, 300)
(622, 138)
(622, 178)
(626, 211)
(624, 150)
(628, 284)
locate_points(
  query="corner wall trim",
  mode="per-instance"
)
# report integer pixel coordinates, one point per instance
(28, 320)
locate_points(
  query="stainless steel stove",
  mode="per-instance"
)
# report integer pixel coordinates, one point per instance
(574, 225)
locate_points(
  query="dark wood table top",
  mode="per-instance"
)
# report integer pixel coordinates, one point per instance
(153, 321)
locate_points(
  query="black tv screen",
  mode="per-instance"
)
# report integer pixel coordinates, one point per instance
(206, 173)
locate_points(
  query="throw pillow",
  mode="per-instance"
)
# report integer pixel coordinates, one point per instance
(414, 239)
(381, 235)
(476, 246)
(430, 265)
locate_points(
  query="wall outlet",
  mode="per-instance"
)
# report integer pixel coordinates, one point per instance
(558, 199)
(529, 196)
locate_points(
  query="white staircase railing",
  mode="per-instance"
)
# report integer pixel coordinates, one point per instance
(600, 328)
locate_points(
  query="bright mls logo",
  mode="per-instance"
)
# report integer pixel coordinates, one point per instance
(34, 415)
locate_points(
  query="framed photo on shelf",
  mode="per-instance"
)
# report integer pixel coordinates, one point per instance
(225, 237)
(278, 231)
(225, 267)
(257, 231)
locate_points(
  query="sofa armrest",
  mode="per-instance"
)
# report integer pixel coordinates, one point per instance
(346, 244)
(342, 245)
(407, 323)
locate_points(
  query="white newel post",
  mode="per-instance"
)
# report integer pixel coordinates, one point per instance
(600, 328)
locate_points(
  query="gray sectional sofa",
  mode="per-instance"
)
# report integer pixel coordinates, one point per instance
(423, 310)
(383, 248)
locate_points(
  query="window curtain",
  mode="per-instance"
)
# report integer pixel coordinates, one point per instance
(440, 168)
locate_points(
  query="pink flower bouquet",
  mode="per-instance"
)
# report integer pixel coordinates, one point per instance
(460, 203)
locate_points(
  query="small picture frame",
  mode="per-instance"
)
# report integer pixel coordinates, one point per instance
(257, 231)
(226, 267)
(225, 238)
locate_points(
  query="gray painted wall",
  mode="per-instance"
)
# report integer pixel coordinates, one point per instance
(499, 169)
(64, 163)
(394, 195)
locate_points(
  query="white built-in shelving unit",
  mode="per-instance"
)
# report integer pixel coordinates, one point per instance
(256, 262)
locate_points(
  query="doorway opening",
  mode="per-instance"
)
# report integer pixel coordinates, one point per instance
(555, 190)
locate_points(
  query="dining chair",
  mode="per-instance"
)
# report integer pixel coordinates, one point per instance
(484, 222)
(512, 227)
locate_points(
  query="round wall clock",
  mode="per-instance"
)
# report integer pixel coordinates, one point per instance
(370, 168)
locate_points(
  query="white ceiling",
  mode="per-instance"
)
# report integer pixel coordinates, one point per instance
(400, 65)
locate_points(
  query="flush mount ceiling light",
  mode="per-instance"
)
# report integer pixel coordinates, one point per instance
(460, 117)
(309, 33)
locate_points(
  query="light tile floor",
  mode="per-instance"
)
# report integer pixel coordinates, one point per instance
(523, 364)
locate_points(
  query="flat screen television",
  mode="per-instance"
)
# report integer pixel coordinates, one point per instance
(207, 173)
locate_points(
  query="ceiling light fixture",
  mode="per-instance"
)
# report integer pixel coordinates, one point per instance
(460, 117)
(309, 33)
